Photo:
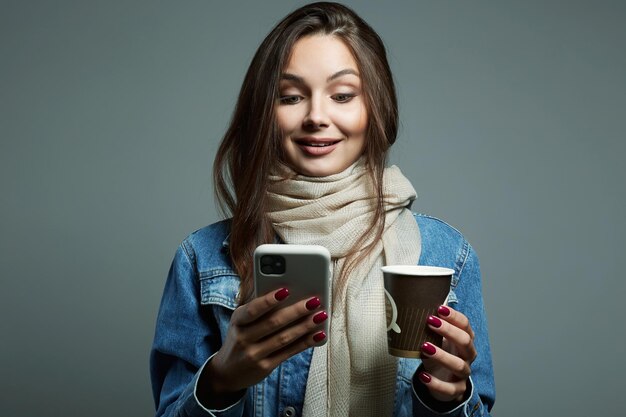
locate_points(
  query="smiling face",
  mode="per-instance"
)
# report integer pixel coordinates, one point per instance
(321, 112)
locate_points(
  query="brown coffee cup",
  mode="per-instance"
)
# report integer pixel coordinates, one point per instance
(413, 292)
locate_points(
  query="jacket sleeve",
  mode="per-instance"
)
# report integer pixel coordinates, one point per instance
(183, 343)
(481, 392)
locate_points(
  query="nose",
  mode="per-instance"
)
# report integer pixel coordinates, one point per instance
(317, 115)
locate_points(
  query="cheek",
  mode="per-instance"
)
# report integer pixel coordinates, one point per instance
(362, 121)
(287, 120)
(354, 122)
(280, 119)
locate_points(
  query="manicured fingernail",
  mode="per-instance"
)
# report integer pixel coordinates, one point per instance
(313, 303)
(281, 294)
(434, 321)
(318, 337)
(320, 317)
(443, 311)
(428, 349)
(424, 377)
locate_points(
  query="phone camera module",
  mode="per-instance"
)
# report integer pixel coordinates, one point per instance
(272, 265)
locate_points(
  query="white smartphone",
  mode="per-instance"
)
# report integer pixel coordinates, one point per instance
(303, 269)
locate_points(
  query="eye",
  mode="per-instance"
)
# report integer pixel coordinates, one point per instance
(343, 98)
(290, 99)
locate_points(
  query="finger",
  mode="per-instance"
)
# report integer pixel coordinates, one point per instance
(258, 306)
(436, 357)
(309, 340)
(459, 338)
(280, 318)
(290, 335)
(455, 318)
(442, 390)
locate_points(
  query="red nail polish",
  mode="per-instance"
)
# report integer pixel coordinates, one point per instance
(425, 378)
(313, 303)
(320, 317)
(281, 294)
(428, 349)
(443, 311)
(318, 337)
(434, 321)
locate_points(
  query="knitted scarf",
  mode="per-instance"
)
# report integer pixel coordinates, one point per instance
(353, 374)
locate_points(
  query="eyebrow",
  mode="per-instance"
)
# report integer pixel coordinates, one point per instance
(295, 78)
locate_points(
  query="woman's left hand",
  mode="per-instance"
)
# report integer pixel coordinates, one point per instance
(447, 369)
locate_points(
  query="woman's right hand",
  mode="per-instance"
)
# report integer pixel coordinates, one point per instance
(260, 336)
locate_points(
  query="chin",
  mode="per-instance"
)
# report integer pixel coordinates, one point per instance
(319, 170)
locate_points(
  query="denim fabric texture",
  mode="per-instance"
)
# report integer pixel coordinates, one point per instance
(200, 295)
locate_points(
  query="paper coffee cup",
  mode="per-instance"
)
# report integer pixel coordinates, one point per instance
(413, 292)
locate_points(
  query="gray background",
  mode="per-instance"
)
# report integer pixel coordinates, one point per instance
(513, 131)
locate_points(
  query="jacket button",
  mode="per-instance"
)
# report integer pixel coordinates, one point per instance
(289, 412)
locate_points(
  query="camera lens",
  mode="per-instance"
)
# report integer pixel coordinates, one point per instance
(272, 264)
(267, 260)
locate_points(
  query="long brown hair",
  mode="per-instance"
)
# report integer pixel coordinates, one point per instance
(252, 142)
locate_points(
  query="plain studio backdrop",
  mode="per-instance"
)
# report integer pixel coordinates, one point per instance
(513, 118)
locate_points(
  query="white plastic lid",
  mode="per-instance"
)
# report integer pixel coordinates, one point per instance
(417, 270)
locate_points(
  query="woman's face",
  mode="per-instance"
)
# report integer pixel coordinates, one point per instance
(321, 111)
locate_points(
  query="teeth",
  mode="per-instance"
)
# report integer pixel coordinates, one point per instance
(318, 145)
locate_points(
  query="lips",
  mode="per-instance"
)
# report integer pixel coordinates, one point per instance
(317, 146)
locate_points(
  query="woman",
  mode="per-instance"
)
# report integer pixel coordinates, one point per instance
(303, 161)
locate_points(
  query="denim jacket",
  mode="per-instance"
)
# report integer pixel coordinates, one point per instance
(200, 295)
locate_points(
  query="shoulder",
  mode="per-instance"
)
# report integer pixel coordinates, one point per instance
(443, 245)
(436, 234)
(207, 248)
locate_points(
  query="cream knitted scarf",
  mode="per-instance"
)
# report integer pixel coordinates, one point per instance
(352, 375)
